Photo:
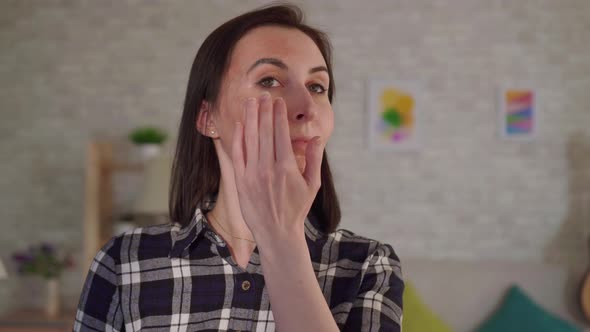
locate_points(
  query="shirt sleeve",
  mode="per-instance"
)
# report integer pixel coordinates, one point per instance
(378, 305)
(99, 308)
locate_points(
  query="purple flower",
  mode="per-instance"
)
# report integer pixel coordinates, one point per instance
(69, 261)
(41, 259)
(47, 248)
(22, 258)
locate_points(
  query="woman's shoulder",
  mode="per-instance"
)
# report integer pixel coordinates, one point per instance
(140, 242)
(150, 231)
(356, 247)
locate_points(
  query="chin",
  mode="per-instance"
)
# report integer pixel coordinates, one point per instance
(300, 163)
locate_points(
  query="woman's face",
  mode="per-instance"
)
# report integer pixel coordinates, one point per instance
(288, 64)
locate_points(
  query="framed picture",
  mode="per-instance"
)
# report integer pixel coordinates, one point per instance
(393, 118)
(518, 113)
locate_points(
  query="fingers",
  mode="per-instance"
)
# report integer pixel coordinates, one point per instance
(266, 142)
(313, 155)
(251, 132)
(283, 148)
(238, 149)
(267, 151)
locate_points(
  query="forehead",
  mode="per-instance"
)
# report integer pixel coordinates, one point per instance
(291, 45)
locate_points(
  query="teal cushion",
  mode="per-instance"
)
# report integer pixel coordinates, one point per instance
(519, 313)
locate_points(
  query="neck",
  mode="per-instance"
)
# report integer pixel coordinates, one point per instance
(227, 207)
(227, 213)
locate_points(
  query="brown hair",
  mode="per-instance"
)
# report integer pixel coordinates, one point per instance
(195, 169)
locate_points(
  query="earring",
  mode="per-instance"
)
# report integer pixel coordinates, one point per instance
(212, 132)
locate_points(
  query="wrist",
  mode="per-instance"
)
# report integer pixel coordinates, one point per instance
(282, 247)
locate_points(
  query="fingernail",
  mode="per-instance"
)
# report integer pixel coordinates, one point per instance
(251, 101)
(264, 96)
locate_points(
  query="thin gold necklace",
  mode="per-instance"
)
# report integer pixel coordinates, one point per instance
(235, 237)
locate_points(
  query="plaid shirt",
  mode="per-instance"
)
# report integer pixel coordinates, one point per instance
(173, 278)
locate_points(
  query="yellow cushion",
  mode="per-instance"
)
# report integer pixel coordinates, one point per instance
(418, 317)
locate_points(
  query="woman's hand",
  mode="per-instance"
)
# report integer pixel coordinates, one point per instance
(275, 199)
(274, 196)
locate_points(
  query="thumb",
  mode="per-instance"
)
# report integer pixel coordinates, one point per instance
(313, 156)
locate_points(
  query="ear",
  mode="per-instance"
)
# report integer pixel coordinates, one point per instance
(204, 124)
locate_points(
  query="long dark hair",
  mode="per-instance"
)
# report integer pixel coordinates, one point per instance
(195, 170)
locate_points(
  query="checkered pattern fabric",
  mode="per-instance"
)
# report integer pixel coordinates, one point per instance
(173, 278)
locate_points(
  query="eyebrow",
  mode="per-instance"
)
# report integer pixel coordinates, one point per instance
(282, 65)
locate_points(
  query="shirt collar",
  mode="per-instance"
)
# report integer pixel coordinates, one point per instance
(184, 236)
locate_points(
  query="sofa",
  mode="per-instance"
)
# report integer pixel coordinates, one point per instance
(466, 293)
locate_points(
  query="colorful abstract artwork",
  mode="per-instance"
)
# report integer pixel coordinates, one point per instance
(393, 117)
(518, 113)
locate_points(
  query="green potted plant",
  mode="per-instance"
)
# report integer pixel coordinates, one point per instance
(148, 139)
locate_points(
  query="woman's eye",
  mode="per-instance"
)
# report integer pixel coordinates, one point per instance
(268, 82)
(317, 88)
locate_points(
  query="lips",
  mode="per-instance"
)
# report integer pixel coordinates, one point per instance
(300, 144)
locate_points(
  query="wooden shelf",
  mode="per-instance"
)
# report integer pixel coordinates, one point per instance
(126, 167)
(35, 320)
(101, 167)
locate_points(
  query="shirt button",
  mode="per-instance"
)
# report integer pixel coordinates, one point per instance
(246, 285)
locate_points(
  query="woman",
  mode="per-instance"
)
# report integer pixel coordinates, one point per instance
(253, 243)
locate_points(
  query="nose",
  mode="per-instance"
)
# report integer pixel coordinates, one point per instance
(301, 106)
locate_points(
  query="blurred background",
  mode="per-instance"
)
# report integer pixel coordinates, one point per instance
(469, 212)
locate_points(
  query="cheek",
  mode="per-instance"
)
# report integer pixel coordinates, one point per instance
(234, 95)
(230, 111)
(327, 122)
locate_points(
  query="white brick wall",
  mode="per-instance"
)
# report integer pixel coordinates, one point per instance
(70, 71)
